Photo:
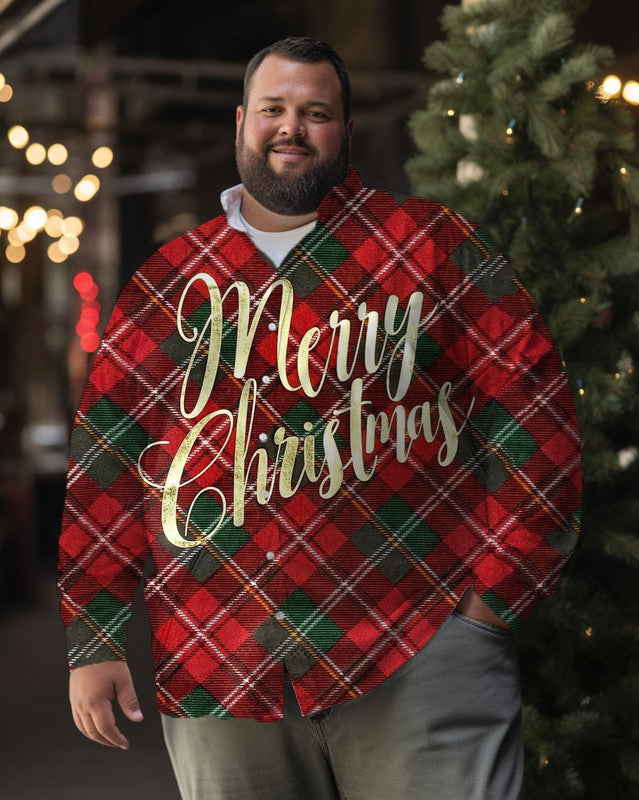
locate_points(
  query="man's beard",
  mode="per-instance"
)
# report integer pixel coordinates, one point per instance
(289, 195)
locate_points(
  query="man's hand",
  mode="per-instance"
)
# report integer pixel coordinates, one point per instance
(91, 690)
(471, 605)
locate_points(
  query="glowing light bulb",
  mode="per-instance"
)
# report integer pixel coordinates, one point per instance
(631, 92)
(15, 253)
(624, 171)
(55, 254)
(18, 136)
(57, 154)
(611, 86)
(35, 218)
(69, 244)
(86, 188)
(6, 93)
(2, 80)
(451, 112)
(90, 342)
(61, 183)
(53, 225)
(25, 233)
(72, 226)
(36, 153)
(8, 218)
(102, 157)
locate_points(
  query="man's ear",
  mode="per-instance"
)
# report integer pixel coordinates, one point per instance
(239, 117)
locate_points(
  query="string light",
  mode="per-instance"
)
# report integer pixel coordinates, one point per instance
(15, 253)
(36, 153)
(8, 218)
(61, 183)
(579, 207)
(86, 188)
(53, 225)
(55, 254)
(18, 136)
(589, 631)
(6, 93)
(57, 154)
(35, 218)
(511, 127)
(72, 226)
(631, 92)
(611, 86)
(14, 237)
(580, 385)
(65, 231)
(624, 171)
(451, 112)
(24, 232)
(102, 157)
(69, 244)
(87, 288)
(460, 78)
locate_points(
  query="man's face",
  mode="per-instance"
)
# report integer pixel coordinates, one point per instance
(292, 142)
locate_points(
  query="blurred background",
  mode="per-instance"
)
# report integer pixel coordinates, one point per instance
(116, 134)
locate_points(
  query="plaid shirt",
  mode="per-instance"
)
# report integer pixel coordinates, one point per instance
(319, 459)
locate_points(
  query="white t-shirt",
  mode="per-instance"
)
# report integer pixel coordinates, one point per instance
(274, 244)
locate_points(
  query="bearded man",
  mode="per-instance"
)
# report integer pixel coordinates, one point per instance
(334, 421)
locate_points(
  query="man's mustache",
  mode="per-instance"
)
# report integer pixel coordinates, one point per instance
(291, 143)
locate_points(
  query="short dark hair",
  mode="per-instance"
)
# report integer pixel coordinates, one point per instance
(307, 51)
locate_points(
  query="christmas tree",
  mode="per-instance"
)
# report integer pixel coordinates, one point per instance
(519, 136)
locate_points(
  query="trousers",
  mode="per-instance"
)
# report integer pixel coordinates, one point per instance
(446, 725)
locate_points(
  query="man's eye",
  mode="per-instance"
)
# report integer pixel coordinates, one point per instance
(271, 110)
(317, 115)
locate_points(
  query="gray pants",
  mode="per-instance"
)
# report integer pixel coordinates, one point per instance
(445, 726)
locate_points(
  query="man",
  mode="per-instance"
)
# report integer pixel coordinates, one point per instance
(335, 421)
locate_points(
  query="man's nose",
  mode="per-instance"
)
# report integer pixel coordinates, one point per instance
(292, 124)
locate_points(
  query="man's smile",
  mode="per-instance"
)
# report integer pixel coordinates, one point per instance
(290, 152)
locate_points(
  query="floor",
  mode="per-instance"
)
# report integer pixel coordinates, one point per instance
(42, 754)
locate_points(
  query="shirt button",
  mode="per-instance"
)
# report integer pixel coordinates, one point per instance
(266, 378)
(272, 326)
(263, 437)
(279, 616)
(270, 555)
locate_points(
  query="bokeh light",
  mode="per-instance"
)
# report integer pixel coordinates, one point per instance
(36, 153)
(102, 157)
(86, 188)
(61, 183)
(18, 136)
(57, 154)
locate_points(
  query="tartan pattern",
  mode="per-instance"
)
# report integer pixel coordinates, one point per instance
(349, 563)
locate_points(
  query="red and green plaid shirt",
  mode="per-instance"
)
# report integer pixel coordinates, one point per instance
(319, 458)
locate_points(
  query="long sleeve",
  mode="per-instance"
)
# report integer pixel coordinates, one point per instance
(103, 544)
(525, 449)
